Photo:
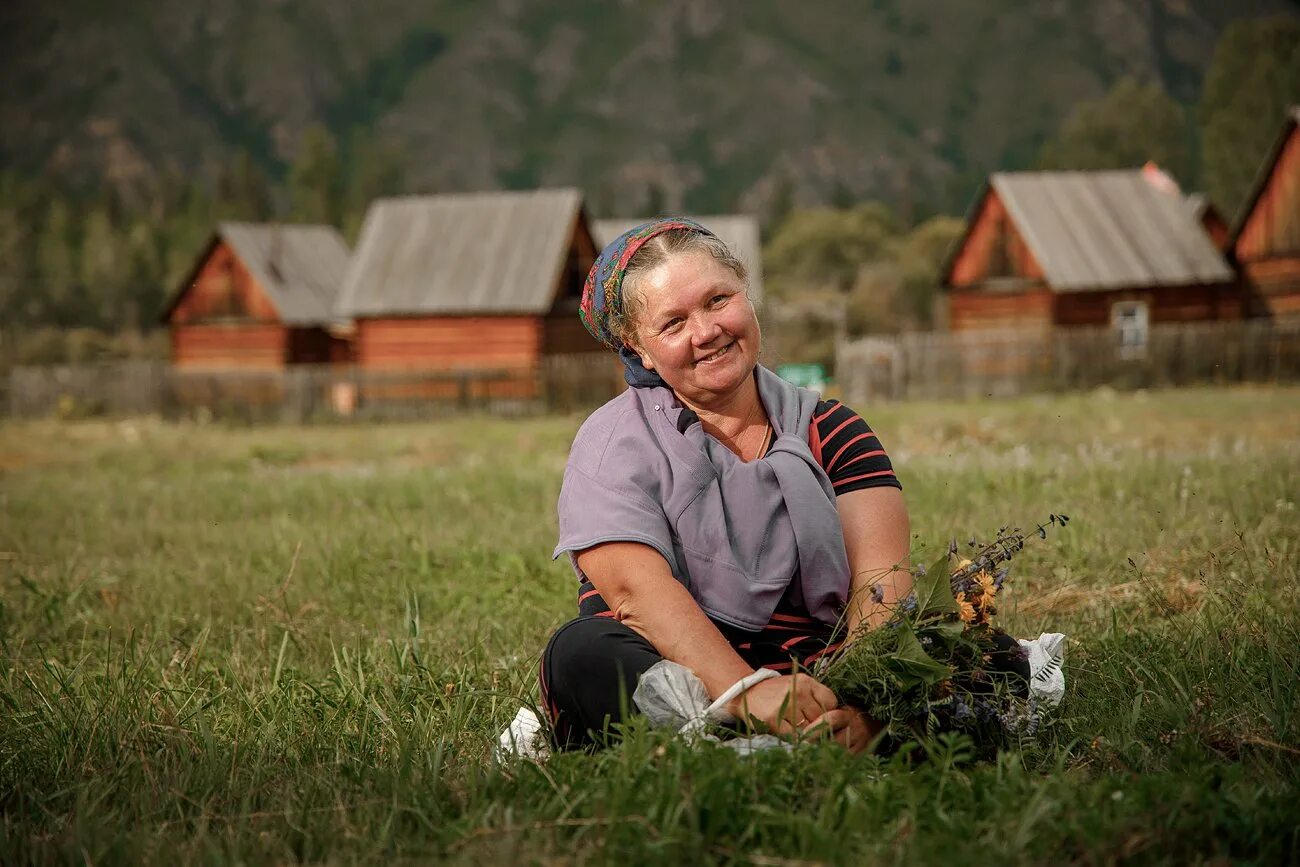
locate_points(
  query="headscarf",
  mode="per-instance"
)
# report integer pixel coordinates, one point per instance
(602, 295)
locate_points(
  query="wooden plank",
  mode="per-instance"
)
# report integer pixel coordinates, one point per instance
(994, 247)
(1273, 225)
(260, 346)
(448, 342)
(971, 309)
(223, 290)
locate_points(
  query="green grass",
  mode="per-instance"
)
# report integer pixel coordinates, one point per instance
(225, 645)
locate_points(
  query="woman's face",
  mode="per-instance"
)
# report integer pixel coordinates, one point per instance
(697, 328)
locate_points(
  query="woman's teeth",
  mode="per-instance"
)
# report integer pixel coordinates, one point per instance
(715, 356)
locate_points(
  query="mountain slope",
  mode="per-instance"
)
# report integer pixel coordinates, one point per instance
(701, 105)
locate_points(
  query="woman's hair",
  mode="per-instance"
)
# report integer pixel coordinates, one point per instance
(656, 252)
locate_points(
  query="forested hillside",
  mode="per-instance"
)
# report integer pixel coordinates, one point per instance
(127, 128)
(706, 105)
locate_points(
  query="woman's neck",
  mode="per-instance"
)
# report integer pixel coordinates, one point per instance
(729, 418)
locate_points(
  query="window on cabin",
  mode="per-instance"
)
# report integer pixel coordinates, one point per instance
(1130, 321)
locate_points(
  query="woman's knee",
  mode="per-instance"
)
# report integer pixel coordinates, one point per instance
(588, 674)
(595, 648)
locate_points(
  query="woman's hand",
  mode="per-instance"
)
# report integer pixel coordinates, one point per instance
(847, 726)
(784, 704)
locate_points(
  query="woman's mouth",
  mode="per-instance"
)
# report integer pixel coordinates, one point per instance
(709, 359)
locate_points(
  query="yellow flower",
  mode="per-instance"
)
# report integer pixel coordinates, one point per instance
(987, 586)
(967, 610)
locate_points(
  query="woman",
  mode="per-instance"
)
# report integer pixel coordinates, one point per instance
(715, 515)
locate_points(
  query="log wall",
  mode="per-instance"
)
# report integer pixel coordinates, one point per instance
(1273, 226)
(223, 289)
(1268, 247)
(248, 346)
(448, 342)
(980, 309)
(1165, 304)
(993, 248)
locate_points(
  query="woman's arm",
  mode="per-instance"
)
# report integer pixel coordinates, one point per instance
(638, 586)
(877, 536)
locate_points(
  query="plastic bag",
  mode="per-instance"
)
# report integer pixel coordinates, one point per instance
(524, 738)
(1046, 667)
(672, 696)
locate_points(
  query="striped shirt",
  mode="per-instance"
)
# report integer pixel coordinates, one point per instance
(853, 458)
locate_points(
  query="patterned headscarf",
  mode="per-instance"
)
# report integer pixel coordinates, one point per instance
(602, 295)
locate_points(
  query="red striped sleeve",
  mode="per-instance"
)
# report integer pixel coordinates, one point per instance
(849, 450)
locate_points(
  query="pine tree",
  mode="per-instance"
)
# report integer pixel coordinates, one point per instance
(145, 288)
(1130, 125)
(315, 179)
(101, 268)
(16, 249)
(1254, 77)
(375, 169)
(243, 191)
(54, 295)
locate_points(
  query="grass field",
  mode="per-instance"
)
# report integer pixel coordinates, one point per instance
(225, 645)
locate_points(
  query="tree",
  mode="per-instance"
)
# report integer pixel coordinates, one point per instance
(54, 297)
(1253, 78)
(375, 169)
(1130, 125)
(243, 191)
(826, 247)
(101, 267)
(145, 287)
(16, 246)
(919, 256)
(315, 179)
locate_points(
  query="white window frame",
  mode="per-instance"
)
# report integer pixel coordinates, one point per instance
(1132, 323)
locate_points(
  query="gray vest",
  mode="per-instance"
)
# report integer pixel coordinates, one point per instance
(735, 534)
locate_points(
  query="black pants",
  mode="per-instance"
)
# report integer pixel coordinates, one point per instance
(589, 671)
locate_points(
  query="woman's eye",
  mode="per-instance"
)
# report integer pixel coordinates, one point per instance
(718, 299)
(671, 325)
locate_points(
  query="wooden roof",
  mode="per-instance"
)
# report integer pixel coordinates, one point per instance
(299, 267)
(740, 232)
(497, 252)
(1104, 230)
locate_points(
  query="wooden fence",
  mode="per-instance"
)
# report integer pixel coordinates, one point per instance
(910, 366)
(308, 393)
(939, 365)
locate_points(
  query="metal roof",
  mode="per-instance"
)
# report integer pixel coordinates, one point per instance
(497, 252)
(1108, 230)
(738, 231)
(301, 267)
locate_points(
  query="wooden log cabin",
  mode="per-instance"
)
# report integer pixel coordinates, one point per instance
(1266, 238)
(260, 297)
(1049, 250)
(471, 281)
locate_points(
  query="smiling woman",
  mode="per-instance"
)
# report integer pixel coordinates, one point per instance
(716, 515)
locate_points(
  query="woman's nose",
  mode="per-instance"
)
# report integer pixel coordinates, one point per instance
(704, 330)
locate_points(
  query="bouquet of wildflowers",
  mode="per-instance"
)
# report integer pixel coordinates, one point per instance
(940, 665)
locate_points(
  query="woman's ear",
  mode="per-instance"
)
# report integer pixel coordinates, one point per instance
(642, 354)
